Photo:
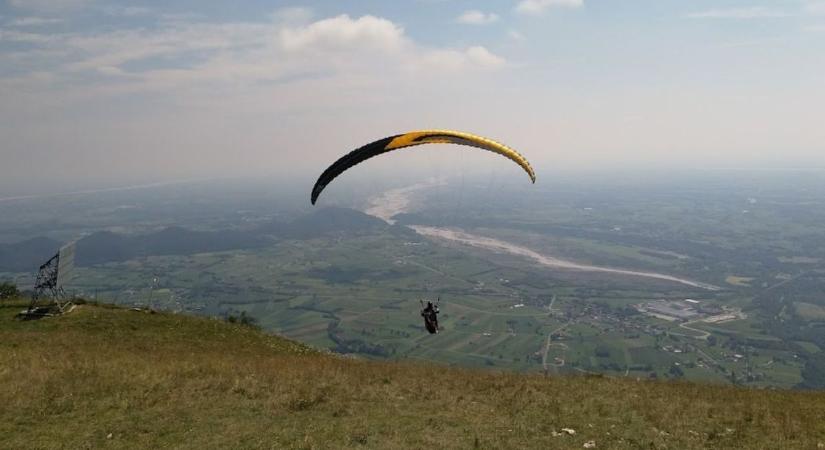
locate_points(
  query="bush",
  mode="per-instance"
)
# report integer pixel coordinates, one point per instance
(243, 319)
(8, 290)
(676, 371)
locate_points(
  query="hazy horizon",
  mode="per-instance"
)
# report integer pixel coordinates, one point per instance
(100, 93)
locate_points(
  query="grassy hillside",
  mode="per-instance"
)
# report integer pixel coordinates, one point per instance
(109, 377)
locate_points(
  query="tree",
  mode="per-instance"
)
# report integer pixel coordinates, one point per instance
(813, 374)
(676, 371)
(8, 290)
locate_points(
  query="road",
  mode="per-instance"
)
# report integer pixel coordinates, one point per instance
(702, 333)
(547, 347)
(547, 343)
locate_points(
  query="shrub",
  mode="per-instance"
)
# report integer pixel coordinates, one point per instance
(8, 290)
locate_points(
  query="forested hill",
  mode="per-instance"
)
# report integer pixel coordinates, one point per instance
(26, 255)
(104, 246)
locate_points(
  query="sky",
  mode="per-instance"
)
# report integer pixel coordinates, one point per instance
(116, 93)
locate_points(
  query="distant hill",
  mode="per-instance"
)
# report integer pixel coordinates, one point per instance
(27, 256)
(105, 246)
(125, 379)
(327, 221)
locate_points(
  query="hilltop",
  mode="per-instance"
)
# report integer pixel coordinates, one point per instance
(107, 376)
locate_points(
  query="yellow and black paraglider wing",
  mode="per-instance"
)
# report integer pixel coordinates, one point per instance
(411, 139)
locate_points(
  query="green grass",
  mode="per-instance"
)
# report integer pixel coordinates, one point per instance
(110, 377)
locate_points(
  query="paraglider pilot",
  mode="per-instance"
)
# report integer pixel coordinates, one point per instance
(430, 315)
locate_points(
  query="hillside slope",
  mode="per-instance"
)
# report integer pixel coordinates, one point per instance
(111, 377)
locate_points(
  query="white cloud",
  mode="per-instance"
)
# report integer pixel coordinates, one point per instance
(476, 17)
(536, 7)
(367, 33)
(127, 11)
(443, 62)
(516, 35)
(482, 57)
(49, 6)
(34, 21)
(22, 36)
(365, 49)
(293, 15)
(192, 90)
(754, 12)
(110, 70)
(816, 8)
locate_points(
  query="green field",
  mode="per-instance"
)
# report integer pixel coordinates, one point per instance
(314, 291)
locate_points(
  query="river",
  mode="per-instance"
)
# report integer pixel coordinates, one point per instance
(397, 201)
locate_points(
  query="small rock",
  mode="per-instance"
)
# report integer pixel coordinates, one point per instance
(109, 436)
(589, 444)
(569, 431)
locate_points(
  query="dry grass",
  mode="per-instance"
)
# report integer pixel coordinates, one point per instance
(105, 377)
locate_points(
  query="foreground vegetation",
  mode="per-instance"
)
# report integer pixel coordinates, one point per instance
(105, 376)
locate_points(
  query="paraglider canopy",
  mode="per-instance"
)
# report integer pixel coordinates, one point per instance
(411, 139)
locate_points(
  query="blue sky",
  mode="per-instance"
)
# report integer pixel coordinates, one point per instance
(124, 92)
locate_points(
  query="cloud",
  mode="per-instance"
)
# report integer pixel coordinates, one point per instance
(754, 12)
(196, 95)
(34, 21)
(482, 57)
(476, 17)
(815, 8)
(516, 35)
(205, 55)
(49, 6)
(293, 15)
(367, 33)
(127, 11)
(24, 37)
(537, 7)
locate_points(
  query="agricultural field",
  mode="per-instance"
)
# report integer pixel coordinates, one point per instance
(758, 293)
(496, 311)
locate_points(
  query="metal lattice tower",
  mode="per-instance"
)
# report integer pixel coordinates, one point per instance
(49, 298)
(46, 287)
